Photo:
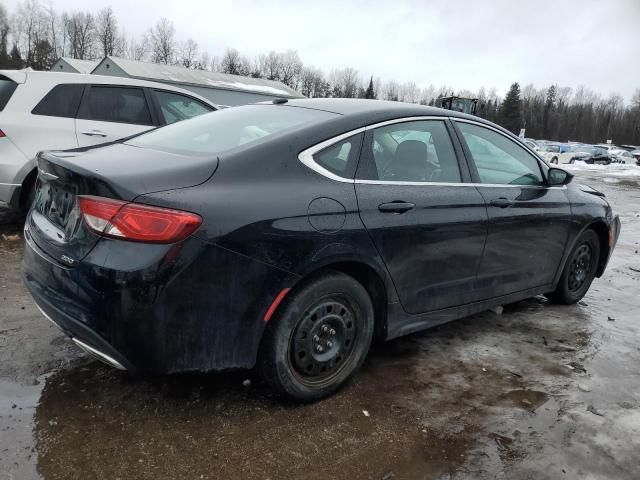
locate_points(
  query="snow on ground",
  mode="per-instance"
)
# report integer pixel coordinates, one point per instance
(613, 170)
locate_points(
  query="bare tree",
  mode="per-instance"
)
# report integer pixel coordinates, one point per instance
(107, 31)
(290, 68)
(344, 82)
(137, 48)
(232, 62)
(162, 42)
(4, 37)
(79, 29)
(189, 54)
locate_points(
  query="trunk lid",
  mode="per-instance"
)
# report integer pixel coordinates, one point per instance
(117, 171)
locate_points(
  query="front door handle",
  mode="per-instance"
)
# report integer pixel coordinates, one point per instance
(501, 202)
(94, 133)
(396, 207)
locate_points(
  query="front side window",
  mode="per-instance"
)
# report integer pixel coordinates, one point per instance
(498, 159)
(176, 107)
(62, 101)
(118, 104)
(229, 128)
(419, 151)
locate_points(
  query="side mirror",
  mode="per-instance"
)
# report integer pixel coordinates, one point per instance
(557, 177)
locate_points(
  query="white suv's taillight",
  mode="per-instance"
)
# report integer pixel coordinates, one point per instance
(2, 134)
(137, 222)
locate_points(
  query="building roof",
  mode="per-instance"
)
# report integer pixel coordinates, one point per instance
(81, 66)
(202, 78)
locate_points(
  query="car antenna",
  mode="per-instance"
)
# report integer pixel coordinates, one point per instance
(279, 101)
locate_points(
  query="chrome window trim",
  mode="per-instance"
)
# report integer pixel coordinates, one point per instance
(306, 157)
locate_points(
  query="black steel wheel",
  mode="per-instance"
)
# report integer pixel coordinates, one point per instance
(323, 341)
(319, 338)
(579, 270)
(579, 267)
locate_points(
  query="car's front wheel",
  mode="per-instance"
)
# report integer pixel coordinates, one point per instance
(319, 338)
(579, 271)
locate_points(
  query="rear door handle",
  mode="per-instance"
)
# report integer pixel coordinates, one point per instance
(396, 207)
(501, 202)
(94, 133)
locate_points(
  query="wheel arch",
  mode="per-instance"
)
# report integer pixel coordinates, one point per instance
(602, 231)
(371, 277)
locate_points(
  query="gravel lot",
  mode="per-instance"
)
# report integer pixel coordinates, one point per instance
(538, 391)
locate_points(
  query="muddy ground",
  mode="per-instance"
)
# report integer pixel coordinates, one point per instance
(539, 391)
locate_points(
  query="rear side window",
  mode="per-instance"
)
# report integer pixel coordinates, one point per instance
(7, 87)
(342, 157)
(176, 107)
(229, 128)
(118, 104)
(62, 101)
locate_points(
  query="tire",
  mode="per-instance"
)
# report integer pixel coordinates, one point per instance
(579, 271)
(554, 161)
(318, 339)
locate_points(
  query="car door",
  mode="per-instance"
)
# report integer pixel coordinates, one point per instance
(175, 107)
(110, 112)
(529, 221)
(427, 221)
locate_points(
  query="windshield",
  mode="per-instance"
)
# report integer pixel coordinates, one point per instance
(230, 128)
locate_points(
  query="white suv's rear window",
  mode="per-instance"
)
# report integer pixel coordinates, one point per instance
(7, 87)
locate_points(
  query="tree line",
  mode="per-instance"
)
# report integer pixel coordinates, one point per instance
(35, 36)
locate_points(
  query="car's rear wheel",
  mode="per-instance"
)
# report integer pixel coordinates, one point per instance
(579, 271)
(319, 338)
(554, 160)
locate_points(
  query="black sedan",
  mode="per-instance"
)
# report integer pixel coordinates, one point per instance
(287, 236)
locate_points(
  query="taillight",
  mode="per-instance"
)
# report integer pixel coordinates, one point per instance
(2, 134)
(137, 222)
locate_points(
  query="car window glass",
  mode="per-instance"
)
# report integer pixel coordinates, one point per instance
(61, 101)
(118, 104)
(341, 157)
(7, 87)
(176, 107)
(498, 159)
(418, 151)
(229, 128)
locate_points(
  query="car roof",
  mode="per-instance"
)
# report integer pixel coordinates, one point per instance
(56, 78)
(347, 106)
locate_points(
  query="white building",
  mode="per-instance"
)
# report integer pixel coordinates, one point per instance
(73, 65)
(220, 88)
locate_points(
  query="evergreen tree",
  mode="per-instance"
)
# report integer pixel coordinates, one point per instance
(510, 110)
(370, 93)
(549, 105)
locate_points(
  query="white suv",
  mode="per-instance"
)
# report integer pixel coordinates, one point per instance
(49, 110)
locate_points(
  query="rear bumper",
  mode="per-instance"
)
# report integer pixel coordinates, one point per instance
(83, 336)
(158, 308)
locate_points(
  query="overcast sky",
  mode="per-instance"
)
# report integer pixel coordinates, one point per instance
(463, 44)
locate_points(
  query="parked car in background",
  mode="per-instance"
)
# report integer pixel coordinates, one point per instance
(556, 153)
(591, 154)
(532, 144)
(636, 155)
(622, 156)
(286, 236)
(48, 110)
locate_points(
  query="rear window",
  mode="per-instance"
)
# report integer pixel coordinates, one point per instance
(230, 128)
(7, 87)
(62, 101)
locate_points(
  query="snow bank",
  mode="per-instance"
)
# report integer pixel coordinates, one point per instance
(613, 170)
